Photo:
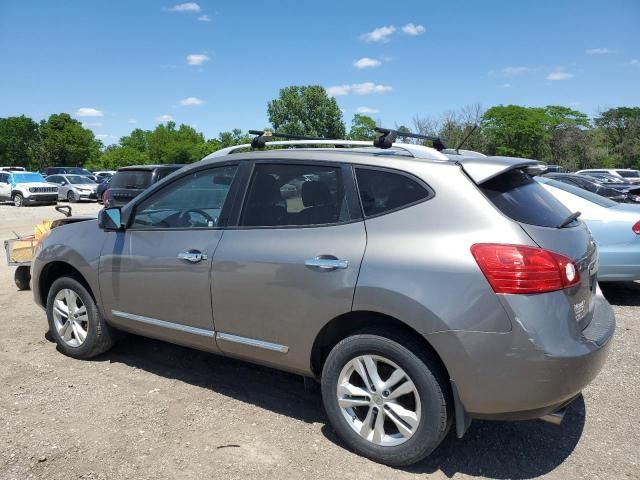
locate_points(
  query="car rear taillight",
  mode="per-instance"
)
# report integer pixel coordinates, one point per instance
(636, 228)
(523, 269)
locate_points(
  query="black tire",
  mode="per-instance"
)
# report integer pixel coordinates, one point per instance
(71, 198)
(18, 200)
(431, 385)
(100, 335)
(22, 277)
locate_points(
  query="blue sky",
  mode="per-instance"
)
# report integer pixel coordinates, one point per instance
(116, 65)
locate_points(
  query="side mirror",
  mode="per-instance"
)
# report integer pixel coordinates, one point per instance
(110, 219)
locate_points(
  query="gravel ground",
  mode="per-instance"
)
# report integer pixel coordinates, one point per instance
(152, 410)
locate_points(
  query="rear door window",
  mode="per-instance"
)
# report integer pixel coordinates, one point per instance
(520, 198)
(382, 191)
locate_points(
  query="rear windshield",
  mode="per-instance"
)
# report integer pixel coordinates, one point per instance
(592, 197)
(628, 173)
(138, 179)
(520, 198)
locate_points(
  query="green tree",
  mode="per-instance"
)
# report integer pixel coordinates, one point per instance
(362, 128)
(65, 142)
(621, 129)
(517, 131)
(116, 156)
(19, 141)
(567, 136)
(168, 144)
(306, 110)
(137, 139)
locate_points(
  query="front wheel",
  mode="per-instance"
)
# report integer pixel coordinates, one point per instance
(18, 200)
(75, 321)
(385, 398)
(71, 197)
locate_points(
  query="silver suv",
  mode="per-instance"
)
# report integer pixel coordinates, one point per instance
(421, 291)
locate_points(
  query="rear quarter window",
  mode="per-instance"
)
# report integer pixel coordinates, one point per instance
(522, 199)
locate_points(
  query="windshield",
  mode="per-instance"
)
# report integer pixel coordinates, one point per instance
(629, 173)
(79, 180)
(138, 179)
(28, 177)
(79, 171)
(592, 197)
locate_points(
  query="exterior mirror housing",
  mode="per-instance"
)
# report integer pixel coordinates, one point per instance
(110, 219)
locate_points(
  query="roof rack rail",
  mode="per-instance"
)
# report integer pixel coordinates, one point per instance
(264, 136)
(389, 136)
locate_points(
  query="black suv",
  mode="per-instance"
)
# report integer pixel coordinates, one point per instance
(594, 186)
(129, 182)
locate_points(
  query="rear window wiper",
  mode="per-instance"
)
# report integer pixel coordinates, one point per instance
(570, 219)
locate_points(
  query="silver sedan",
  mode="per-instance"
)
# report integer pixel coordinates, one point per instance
(74, 187)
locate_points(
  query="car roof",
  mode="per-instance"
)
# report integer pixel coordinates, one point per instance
(151, 167)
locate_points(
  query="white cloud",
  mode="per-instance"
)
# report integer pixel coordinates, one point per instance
(204, 18)
(366, 110)
(102, 135)
(132, 120)
(597, 51)
(365, 88)
(191, 101)
(191, 7)
(635, 61)
(507, 85)
(89, 112)
(164, 118)
(380, 34)
(559, 75)
(92, 124)
(411, 29)
(366, 62)
(514, 71)
(197, 58)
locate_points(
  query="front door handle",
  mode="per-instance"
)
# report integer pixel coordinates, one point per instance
(326, 263)
(192, 256)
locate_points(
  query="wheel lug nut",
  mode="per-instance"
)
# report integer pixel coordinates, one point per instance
(385, 393)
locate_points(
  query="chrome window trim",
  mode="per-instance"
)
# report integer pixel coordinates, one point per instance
(252, 342)
(162, 323)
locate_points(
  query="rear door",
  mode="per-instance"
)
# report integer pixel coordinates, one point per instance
(5, 188)
(290, 265)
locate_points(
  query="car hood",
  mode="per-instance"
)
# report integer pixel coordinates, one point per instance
(27, 185)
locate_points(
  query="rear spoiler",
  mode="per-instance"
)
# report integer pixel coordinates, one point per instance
(481, 169)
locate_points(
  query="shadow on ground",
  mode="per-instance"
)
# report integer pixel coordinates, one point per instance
(623, 294)
(492, 449)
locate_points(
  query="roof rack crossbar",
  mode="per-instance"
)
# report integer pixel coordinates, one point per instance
(264, 136)
(389, 136)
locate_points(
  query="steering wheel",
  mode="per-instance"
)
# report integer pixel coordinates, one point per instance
(182, 218)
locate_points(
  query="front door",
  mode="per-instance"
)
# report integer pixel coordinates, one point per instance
(155, 275)
(290, 266)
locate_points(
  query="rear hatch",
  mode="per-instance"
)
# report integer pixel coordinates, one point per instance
(513, 191)
(128, 184)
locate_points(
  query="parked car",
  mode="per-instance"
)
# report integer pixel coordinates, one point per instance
(420, 291)
(615, 228)
(13, 169)
(102, 187)
(129, 182)
(74, 188)
(23, 188)
(615, 182)
(69, 171)
(104, 174)
(626, 174)
(592, 185)
(556, 169)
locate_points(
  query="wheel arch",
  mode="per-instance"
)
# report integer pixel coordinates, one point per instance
(54, 270)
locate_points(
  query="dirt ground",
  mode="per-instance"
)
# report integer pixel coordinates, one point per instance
(152, 410)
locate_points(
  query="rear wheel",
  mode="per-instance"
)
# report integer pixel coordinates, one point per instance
(385, 398)
(18, 200)
(75, 321)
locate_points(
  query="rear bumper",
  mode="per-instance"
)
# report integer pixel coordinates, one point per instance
(529, 372)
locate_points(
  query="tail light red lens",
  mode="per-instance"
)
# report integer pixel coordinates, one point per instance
(523, 269)
(636, 228)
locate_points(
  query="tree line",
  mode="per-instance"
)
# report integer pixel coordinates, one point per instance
(555, 134)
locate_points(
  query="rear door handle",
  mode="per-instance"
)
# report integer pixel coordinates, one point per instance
(326, 263)
(192, 256)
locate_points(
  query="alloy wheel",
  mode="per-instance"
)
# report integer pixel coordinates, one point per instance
(378, 400)
(70, 317)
